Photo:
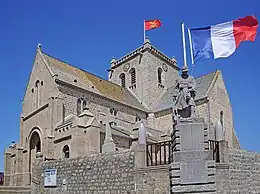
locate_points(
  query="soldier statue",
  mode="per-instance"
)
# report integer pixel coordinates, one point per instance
(184, 103)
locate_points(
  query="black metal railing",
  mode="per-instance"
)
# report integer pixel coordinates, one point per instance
(214, 146)
(158, 153)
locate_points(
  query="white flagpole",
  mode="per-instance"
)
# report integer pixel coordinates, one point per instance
(191, 49)
(183, 43)
(144, 31)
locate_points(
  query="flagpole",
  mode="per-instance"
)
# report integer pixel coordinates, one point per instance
(183, 43)
(144, 31)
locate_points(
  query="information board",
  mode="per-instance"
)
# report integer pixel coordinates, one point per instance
(50, 177)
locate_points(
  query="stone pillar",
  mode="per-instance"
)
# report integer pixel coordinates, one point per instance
(223, 152)
(7, 167)
(192, 169)
(19, 167)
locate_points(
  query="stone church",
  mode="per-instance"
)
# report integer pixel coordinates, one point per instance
(65, 109)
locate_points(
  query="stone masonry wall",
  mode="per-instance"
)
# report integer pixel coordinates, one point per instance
(219, 101)
(102, 173)
(152, 179)
(244, 171)
(14, 190)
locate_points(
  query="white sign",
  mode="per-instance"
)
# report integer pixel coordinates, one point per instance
(50, 177)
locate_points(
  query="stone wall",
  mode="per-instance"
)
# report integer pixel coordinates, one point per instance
(112, 173)
(15, 190)
(244, 171)
(152, 179)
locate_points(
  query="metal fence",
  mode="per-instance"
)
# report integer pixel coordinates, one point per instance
(158, 153)
(214, 146)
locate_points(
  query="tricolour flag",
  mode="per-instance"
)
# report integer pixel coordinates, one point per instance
(222, 40)
(151, 24)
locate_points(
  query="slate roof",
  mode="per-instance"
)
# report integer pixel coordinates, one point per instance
(68, 73)
(202, 86)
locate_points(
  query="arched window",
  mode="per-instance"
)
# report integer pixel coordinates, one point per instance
(160, 75)
(14, 167)
(66, 151)
(222, 118)
(63, 113)
(37, 86)
(84, 105)
(122, 77)
(133, 76)
(78, 107)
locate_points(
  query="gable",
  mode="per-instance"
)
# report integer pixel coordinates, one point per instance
(40, 77)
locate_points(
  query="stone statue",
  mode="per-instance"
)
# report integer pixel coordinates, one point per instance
(184, 103)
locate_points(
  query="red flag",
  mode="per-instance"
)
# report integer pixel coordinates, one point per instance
(151, 24)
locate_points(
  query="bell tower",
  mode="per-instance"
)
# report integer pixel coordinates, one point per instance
(146, 72)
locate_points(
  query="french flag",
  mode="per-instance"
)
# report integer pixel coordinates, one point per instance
(223, 39)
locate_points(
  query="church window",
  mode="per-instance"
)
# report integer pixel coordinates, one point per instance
(66, 151)
(81, 105)
(41, 83)
(122, 77)
(221, 118)
(133, 76)
(37, 86)
(84, 105)
(32, 90)
(159, 75)
(63, 113)
(14, 166)
(78, 107)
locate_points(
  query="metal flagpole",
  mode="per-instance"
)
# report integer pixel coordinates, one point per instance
(144, 31)
(183, 43)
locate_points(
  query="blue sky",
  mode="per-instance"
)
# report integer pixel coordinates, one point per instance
(89, 33)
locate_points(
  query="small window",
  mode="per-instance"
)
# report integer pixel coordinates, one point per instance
(221, 118)
(78, 107)
(66, 151)
(32, 90)
(133, 76)
(84, 104)
(159, 75)
(122, 77)
(41, 83)
(63, 113)
(14, 167)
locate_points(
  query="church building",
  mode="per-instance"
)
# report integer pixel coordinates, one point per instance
(65, 109)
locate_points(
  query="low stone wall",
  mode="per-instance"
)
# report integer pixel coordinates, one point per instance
(107, 172)
(15, 190)
(244, 171)
(152, 179)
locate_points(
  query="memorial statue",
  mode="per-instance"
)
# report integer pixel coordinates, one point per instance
(184, 103)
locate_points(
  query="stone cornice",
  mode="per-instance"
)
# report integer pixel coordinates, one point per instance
(36, 111)
(140, 50)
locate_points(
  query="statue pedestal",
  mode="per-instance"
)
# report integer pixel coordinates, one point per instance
(192, 168)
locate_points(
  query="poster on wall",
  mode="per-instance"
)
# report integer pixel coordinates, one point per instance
(50, 177)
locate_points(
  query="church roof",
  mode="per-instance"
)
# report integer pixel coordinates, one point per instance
(85, 80)
(203, 84)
